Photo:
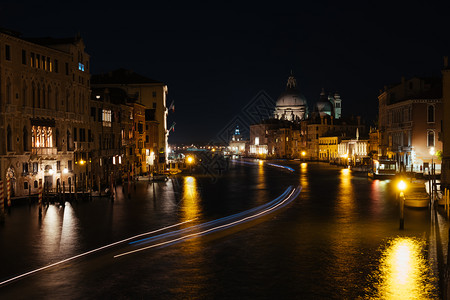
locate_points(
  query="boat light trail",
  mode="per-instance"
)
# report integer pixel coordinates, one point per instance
(282, 201)
(92, 251)
(270, 164)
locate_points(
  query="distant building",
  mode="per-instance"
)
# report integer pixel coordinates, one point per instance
(291, 105)
(328, 148)
(354, 151)
(237, 145)
(410, 118)
(295, 130)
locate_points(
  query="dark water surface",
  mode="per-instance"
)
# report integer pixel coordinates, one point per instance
(338, 240)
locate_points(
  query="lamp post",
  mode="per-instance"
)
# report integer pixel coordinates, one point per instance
(431, 184)
(401, 187)
(303, 155)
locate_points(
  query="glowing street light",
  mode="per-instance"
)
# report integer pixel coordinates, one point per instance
(401, 186)
(190, 160)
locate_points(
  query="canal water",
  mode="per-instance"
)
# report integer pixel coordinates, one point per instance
(339, 239)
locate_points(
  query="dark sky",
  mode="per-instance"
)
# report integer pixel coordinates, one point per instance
(215, 59)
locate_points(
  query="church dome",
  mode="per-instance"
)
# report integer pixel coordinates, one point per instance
(324, 106)
(291, 97)
(291, 105)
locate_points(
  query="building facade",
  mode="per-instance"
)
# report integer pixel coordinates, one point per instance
(150, 93)
(44, 111)
(410, 122)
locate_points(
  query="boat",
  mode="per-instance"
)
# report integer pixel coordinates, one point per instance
(383, 169)
(159, 177)
(417, 196)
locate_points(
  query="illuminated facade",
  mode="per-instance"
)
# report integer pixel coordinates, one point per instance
(410, 118)
(353, 151)
(328, 148)
(237, 145)
(44, 95)
(291, 105)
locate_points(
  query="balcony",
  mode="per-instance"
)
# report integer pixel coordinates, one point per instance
(44, 151)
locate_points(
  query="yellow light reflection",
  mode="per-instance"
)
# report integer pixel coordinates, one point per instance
(346, 198)
(404, 272)
(190, 208)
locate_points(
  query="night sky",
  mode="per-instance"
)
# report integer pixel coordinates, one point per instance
(215, 59)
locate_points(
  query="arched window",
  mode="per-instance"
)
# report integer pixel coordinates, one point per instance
(430, 138)
(430, 113)
(8, 91)
(25, 139)
(9, 139)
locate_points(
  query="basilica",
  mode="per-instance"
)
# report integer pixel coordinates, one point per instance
(293, 106)
(295, 129)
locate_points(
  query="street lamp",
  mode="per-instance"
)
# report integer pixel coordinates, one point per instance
(401, 186)
(190, 160)
(303, 155)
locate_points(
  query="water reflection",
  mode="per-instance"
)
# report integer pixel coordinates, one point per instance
(304, 176)
(346, 198)
(191, 198)
(404, 272)
(59, 231)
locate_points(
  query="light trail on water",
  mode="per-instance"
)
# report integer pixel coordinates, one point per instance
(287, 197)
(91, 252)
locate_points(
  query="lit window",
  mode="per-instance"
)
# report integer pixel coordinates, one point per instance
(256, 141)
(80, 67)
(106, 118)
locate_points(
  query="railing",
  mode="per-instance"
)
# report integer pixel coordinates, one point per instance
(44, 151)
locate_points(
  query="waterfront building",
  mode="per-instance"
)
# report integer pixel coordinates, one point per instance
(291, 105)
(410, 118)
(44, 111)
(238, 144)
(354, 152)
(295, 130)
(328, 148)
(445, 176)
(150, 93)
(106, 135)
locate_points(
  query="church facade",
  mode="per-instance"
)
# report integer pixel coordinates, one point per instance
(295, 129)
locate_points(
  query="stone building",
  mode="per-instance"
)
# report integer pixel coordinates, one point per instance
(410, 121)
(150, 93)
(44, 110)
(106, 135)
